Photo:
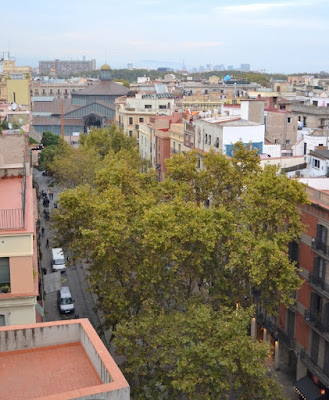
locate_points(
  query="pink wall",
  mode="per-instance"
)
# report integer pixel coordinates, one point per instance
(21, 275)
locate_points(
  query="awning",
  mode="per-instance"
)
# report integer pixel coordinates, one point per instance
(306, 388)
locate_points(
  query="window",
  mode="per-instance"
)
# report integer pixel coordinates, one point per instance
(58, 91)
(130, 133)
(179, 147)
(209, 140)
(277, 141)
(162, 107)
(2, 320)
(282, 107)
(148, 106)
(140, 119)
(131, 120)
(36, 92)
(51, 91)
(287, 141)
(288, 120)
(217, 143)
(316, 163)
(43, 91)
(206, 138)
(4, 273)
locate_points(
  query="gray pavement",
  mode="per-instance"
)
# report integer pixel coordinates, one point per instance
(75, 275)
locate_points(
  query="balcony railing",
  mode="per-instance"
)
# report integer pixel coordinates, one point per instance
(314, 319)
(318, 282)
(289, 342)
(314, 368)
(12, 219)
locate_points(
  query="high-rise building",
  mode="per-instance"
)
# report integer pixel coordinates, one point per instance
(66, 67)
(245, 67)
(230, 68)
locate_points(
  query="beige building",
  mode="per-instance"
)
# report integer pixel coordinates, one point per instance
(176, 133)
(14, 82)
(132, 111)
(281, 128)
(59, 88)
(18, 251)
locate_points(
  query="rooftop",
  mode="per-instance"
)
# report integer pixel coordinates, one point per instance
(230, 121)
(34, 373)
(58, 360)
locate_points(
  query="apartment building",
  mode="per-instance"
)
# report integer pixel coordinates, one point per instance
(220, 133)
(161, 138)
(132, 111)
(19, 283)
(62, 360)
(59, 88)
(66, 67)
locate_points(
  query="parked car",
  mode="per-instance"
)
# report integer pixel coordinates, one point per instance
(65, 301)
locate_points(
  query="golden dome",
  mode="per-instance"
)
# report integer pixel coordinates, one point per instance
(105, 67)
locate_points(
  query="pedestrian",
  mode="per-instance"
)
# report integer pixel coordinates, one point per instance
(47, 243)
(43, 231)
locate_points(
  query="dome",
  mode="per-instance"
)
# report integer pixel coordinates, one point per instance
(105, 67)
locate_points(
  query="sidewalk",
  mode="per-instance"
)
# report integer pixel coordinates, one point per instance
(285, 378)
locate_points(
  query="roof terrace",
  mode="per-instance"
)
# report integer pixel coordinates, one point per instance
(59, 360)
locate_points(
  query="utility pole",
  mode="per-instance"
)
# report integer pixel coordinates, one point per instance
(62, 118)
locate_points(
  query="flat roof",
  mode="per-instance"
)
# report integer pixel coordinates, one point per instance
(10, 190)
(34, 373)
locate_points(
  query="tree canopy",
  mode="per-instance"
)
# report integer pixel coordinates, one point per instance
(168, 254)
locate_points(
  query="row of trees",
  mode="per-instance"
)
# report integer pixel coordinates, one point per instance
(174, 277)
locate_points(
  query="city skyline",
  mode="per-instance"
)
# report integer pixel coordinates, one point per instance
(276, 36)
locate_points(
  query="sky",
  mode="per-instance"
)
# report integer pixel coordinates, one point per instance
(275, 36)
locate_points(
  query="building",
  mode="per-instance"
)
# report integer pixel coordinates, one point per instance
(92, 106)
(139, 109)
(19, 283)
(66, 68)
(245, 67)
(60, 360)
(220, 133)
(14, 82)
(60, 88)
(281, 125)
(311, 116)
(156, 140)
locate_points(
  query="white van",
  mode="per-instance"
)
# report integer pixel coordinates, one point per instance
(58, 260)
(64, 300)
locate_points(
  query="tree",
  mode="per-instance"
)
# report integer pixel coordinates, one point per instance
(160, 244)
(198, 353)
(49, 139)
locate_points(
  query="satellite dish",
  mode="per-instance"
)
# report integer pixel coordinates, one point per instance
(14, 106)
(10, 126)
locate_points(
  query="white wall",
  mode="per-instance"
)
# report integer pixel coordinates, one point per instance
(274, 150)
(248, 133)
(316, 183)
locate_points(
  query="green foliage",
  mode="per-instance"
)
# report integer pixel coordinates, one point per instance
(157, 250)
(32, 141)
(4, 125)
(196, 354)
(50, 139)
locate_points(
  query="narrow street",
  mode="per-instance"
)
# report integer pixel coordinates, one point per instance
(75, 275)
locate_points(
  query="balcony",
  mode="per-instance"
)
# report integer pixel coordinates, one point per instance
(315, 321)
(320, 247)
(319, 284)
(314, 368)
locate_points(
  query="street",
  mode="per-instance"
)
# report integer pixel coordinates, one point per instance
(75, 275)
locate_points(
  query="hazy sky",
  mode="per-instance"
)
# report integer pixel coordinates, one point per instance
(279, 36)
